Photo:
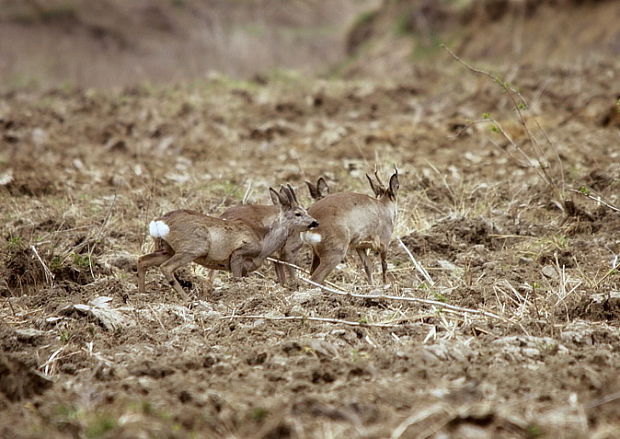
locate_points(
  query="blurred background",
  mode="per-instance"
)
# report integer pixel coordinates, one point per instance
(108, 43)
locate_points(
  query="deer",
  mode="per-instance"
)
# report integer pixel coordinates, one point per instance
(260, 216)
(352, 220)
(185, 236)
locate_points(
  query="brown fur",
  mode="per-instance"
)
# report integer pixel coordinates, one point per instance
(354, 220)
(220, 244)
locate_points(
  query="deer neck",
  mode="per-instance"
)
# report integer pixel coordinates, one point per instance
(274, 239)
(390, 205)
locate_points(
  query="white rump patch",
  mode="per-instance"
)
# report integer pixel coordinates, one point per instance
(158, 229)
(311, 237)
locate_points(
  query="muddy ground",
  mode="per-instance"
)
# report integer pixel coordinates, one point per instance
(499, 229)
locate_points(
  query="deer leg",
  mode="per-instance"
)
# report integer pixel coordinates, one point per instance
(171, 265)
(210, 280)
(290, 253)
(383, 255)
(280, 272)
(316, 261)
(326, 265)
(361, 252)
(240, 264)
(154, 259)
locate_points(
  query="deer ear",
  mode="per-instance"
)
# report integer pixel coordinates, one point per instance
(394, 184)
(322, 188)
(313, 190)
(284, 197)
(275, 197)
(374, 188)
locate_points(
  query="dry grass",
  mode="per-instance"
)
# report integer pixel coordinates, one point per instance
(516, 333)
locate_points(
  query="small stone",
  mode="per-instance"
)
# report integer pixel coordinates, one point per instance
(550, 271)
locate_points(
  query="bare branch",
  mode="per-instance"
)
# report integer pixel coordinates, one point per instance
(404, 299)
(341, 292)
(329, 320)
(597, 199)
(416, 264)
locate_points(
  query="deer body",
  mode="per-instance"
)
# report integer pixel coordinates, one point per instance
(258, 217)
(183, 236)
(352, 220)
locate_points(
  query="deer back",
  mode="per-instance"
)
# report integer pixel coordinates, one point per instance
(357, 219)
(258, 217)
(189, 230)
(351, 217)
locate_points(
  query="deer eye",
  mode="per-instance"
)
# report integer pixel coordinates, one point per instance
(298, 214)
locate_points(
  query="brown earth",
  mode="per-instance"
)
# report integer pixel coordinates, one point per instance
(84, 172)
(517, 229)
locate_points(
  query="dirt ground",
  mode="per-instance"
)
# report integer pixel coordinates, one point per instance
(85, 171)
(509, 206)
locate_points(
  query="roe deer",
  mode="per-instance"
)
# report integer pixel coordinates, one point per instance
(260, 216)
(349, 219)
(183, 236)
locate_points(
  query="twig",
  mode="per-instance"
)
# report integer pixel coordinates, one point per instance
(485, 73)
(49, 276)
(604, 400)
(298, 268)
(50, 360)
(247, 193)
(418, 417)
(341, 292)
(11, 306)
(597, 199)
(157, 317)
(511, 92)
(416, 264)
(322, 319)
(404, 299)
(613, 270)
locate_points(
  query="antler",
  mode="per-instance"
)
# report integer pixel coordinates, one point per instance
(379, 180)
(291, 194)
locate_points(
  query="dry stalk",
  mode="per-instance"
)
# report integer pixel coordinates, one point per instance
(248, 192)
(519, 102)
(303, 270)
(611, 271)
(49, 276)
(416, 264)
(405, 299)
(418, 417)
(598, 199)
(157, 318)
(11, 306)
(50, 361)
(340, 292)
(328, 320)
(604, 400)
